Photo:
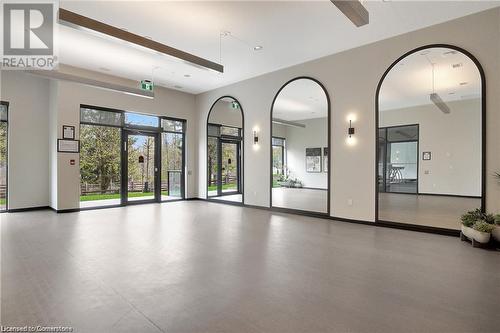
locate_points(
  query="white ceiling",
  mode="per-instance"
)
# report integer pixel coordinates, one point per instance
(409, 83)
(290, 32)
(301, 99)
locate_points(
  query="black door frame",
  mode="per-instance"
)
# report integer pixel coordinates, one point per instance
(126, 132)
(183, 171)
(220, 142)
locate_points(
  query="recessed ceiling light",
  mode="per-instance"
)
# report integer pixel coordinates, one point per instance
(187, 75)
(258, 48)
(463, 83)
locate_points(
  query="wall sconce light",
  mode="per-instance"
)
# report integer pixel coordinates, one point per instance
(350, 132)
(256, 145)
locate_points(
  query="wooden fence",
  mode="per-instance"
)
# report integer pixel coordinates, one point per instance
(114, 188)
(225, 180)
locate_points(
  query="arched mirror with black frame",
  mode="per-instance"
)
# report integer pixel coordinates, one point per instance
(300, 146)
(430, 139)
(225, 128)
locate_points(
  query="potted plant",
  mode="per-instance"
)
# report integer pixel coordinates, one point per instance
(477, 226)
(482, 232)
(297, 183)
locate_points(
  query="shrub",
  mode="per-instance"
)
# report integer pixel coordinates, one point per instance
(483, 226)
(489, 218)
(468, 219)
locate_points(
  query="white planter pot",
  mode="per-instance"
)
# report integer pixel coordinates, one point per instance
(478, 236)
(496, 233)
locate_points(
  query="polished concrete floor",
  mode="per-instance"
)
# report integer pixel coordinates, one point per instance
(427, 210)
(311, 200)
(196, 266)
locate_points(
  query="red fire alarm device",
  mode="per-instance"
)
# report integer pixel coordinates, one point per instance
(71, 162)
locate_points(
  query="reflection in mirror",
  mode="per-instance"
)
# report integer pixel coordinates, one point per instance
(429, 139)
(224, 151)
(300, 147)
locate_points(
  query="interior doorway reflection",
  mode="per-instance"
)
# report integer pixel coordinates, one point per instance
(398, 159)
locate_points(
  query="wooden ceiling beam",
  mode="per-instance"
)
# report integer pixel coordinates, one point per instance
(354, 10)
(75, 20)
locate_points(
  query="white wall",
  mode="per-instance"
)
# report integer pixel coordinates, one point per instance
(28, 151)
(314, 135)
(454, 140)
(351, 79)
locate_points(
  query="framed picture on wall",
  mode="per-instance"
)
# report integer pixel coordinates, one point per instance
(68, 146)
(426, 155)
(313, 159)
(68, 132)
(325, 159)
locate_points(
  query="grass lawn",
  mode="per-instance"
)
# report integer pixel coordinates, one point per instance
(224, 187)
(93, 197)
(3, 201)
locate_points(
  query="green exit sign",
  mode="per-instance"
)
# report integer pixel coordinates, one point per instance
(147, 85)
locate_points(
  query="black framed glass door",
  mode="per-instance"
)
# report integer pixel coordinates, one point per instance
(173, 146)
(111, 174)
(229, 166)
(140, 167)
